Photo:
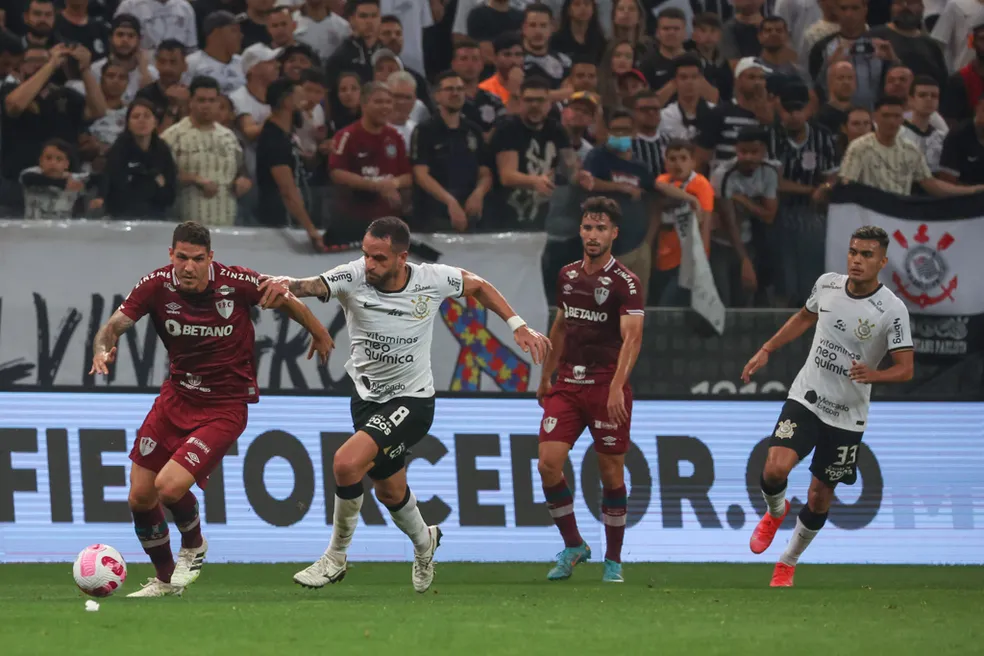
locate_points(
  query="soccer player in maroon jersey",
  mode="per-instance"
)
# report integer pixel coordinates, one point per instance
(595, 342)
(201, 311)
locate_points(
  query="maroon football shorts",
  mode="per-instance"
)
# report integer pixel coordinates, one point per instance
(569, 409)
(194, 436)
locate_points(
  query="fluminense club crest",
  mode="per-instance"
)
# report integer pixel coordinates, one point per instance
(926, 269)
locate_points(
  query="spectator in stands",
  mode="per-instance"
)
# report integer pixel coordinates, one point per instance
(348, 109)
(743, 259)
(280, 173)
(220, 58)
(211, 170)
(965, 87)
(706, 37)
(578, 118)
(739, 34)
(859, 123)
(826, 26)
(530, 149)
(508, 57)
(297, 58)
(629, 24)
(75, 24)
(125, 50)
(621, 176)
(489, 20)
(254, 23)
(355, 53)
(171, 19)
(39, 21)
(871, 56)
(321, 28)
(369, 168)
(11, 53)
(404, 89)
(962, 160)
(773, 36)
(413, 18)
(481, 107)
(105, 129)
(956, 27)
(313, 129)
(918, 127)
(205, 8)
(584, 76)
(140, 180)
(168, 96)
(225, 113)
(680, 118)
(579, 35)
(450, 163)
(808, 161)
(718, 134)
(629, 84)
(916, 49)
(898, 82)
(391, 38)
(841, 85)
(671, 31)
(51, 190)
(539, 60)
(884, 161)
(37, 110)
(649, 143)
(280, 24)
(799, 15)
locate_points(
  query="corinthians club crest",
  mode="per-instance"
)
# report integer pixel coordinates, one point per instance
(925, 268)
(785, 429)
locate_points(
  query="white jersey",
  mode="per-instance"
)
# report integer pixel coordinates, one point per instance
(849, 329)
(391, 332)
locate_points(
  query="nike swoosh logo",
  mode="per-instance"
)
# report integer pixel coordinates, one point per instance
(370, 305)
(822, 310)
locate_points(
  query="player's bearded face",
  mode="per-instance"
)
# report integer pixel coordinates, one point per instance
(382, 263)
(191, 264)
(597, 235)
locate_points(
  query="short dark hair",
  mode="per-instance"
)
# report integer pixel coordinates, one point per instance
(534, 82)
(391, 18)
(603, 205)
(172, 44)
(754, 133)
(923, 81)
(10, 44)
(466, 43)
(203, 82)
(506, 41)
(708, 19)
(688, 60)
(192, 233)
(446, 75)
(279, 91)
(582, 60)
(642, 94)
(354, 4)
(537, 8)
(679, 144)
(858, 108)
(872, 233)
(673, 13)
(773, 19)
(890, 100)
(617, 113)
(313, 74)
(392, 228)
(61, 145)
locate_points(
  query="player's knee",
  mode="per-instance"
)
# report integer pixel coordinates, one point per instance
(390, 496)
(611, 471)
(142, 498)
(550, 472)
(169, 491)
(347, 470)
(777, 467)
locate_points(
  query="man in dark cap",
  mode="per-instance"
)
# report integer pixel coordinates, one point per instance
(219, 58)
(173, 19)
(124, 49)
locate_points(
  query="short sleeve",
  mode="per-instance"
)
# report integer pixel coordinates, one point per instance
(632, 302)
(402, 161)
(507, 137)
(448, 280)
(420, 146)
(850, 168)
(704, 192)
(899, 336)
(813, 302)
(709, 130)
(248, 285)
(340, 157)
(140, 300)
(950, 159)
(560, 138)
(595, 165)
(920, 168)
(341, 280)
(770, 187)
(277, 152)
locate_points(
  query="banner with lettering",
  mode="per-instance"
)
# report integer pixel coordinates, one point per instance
(934, 262)
(61, 281)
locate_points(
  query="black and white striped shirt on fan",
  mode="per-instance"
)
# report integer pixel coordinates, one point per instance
(651, 151)
(808, 163)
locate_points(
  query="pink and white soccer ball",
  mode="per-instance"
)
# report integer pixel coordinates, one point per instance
(99, 570)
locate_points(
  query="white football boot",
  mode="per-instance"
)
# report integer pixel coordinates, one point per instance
(423, 563)
(188, 566)
(154, 587)
(330, 568)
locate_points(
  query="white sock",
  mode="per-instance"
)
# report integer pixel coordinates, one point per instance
(776, 502)
(410, 521)
(343, 523)
(800, 540)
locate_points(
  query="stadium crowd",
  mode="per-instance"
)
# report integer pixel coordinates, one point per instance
(496, 115)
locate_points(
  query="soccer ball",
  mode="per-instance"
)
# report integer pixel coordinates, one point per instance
(99, 570)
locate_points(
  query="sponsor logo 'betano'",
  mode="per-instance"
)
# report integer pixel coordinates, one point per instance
(175, 329)
(581, 313)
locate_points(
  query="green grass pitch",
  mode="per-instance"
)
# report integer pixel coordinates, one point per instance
(479, 609)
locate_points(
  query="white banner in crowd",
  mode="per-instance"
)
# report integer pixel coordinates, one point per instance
(693, 476)
(934, 260)
(60, 282)
(695, 271)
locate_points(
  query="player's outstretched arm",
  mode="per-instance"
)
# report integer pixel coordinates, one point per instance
(321, 341)
(557, 333)
(273, 287)
(628, 354)
(794, 328)
(485, 293)
(104, 345)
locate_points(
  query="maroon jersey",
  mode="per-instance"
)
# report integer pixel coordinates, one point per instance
(373, 156)
(593, 305)
(208, 336)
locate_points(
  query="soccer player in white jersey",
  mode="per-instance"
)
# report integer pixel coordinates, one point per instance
(858, 321)
(390, 305)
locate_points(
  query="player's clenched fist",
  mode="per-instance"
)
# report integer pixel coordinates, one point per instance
(100, 361)
(273, 287)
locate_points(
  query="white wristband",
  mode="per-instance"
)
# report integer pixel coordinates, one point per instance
(515, 322)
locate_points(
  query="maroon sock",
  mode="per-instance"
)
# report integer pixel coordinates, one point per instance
(151, 528)
(613, 504)
(185, 513)
(560, 502)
